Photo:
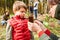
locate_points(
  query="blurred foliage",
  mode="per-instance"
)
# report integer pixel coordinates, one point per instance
(2, 33)
(7, 5)
(52, 24)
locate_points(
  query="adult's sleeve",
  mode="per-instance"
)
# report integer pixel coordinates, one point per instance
(43, 36)
(51, 35)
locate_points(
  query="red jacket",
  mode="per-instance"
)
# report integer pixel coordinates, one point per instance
(20, 28)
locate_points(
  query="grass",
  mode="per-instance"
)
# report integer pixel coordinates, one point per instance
(52, 25)
(2, 32)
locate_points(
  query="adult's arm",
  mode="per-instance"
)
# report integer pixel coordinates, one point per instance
(36, 28)
(46, 31)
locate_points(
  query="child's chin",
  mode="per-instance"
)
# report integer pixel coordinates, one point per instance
(22, 17)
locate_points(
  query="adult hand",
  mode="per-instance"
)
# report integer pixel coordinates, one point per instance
(34, 27)
(40, 25)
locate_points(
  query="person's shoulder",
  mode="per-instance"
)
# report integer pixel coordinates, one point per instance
(25, 20)
(53, 7)
(37, 2)
(11, 19)
(3, 15)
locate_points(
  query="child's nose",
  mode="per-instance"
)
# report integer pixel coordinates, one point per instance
(23, 12)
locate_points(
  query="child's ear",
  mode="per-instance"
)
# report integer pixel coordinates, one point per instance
(14, 11)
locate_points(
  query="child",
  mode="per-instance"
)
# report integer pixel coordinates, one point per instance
(19, 25)
(5, 18)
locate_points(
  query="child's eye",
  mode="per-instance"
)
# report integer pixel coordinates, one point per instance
(23, 12)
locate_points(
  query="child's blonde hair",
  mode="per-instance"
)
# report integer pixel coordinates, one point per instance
(18, 4)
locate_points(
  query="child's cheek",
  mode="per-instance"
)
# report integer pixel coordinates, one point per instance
(17, 13)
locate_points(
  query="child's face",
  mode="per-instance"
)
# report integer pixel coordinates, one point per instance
(7, 13)
(21, 12)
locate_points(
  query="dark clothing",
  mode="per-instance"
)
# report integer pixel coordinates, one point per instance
(47, 35)
(57, 12)
(53, 37)
(35, 13)
(31, 9)
(5, 17)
